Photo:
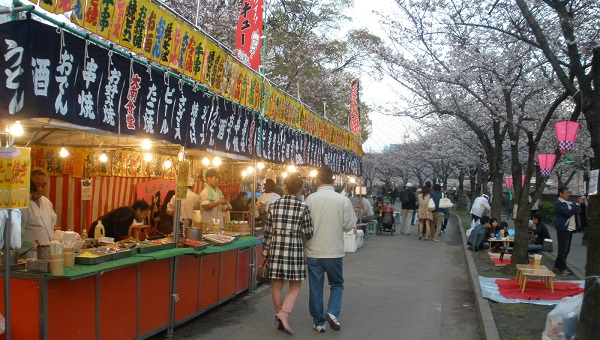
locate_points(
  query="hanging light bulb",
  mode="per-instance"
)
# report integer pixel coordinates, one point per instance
(17, 129)
(64, 153)
(103, 157)
(205, 161)
(352, 180)
(313, 173)
(148, 157)
(250, 170)
(146, 144)
(292, 168)
(284, 174)
(260, 165)
(244, 174)
(217, 161)
(167, 164)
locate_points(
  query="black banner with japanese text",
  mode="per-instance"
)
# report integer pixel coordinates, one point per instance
(50, 73)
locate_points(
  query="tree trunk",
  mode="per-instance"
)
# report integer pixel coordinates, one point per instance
(461, 189)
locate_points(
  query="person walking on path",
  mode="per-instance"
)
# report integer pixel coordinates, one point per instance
(423, 214)
(564, 221)
(438, 213)
(332, 215)
(288, 223)
(481, 206)
(408, 208)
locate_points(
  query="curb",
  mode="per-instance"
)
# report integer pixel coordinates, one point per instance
(486, 318)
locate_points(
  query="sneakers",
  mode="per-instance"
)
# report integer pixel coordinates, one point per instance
(333, 322)
(564, 272)
(319, 329)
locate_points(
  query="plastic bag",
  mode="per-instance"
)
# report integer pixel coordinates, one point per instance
(473, 224)
(2, 324)
(562, 320)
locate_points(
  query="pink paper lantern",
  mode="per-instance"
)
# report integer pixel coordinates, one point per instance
(566, 132)
(522, 179)
(509, 182)
(546, 161)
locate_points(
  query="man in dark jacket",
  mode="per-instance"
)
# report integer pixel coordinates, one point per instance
(564, 221)
(117, 222)
(478, 239)
(540, 232)
(408, 208)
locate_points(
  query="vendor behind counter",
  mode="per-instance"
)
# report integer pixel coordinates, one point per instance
(117, 222)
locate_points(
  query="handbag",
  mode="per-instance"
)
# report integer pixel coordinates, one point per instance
(431, 204)
(445, 203)
(262, 274)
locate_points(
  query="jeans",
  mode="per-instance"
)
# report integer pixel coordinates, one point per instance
(414, 215)
(564, 246)
(366, 219)
(317, 267)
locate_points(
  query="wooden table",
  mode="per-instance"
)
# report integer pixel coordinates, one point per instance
(524, 271)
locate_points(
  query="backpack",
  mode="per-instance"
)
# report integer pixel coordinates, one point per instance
(404, 196)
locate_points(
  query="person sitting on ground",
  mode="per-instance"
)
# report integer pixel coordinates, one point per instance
(540, 231)
(480, 235)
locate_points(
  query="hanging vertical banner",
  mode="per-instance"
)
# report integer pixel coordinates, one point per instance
(78, 13)
(128, 23)
(48, 5)
(249, 33)
(14, 182)
(354, 108)
(116, 21)
(62, 6)
(91, 16)
(106, 9)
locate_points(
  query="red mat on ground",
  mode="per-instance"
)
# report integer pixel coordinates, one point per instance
(505, 262)
(536, 290)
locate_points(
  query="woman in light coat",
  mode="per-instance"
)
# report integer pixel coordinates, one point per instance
(423, 214)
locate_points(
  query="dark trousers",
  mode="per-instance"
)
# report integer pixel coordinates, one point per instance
(476, 218)
(564, 246)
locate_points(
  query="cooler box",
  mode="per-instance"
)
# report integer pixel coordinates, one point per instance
(353, 241)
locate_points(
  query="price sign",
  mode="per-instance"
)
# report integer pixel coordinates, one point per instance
(15, 168)
(86, 190)
(183, 169)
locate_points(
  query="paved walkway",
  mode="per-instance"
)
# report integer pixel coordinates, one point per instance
(396, 287)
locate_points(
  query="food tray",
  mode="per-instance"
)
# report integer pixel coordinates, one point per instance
(144, 248)
(197, 245)
(101, 257)
(218, 240)
(169, 245)
(122, 253)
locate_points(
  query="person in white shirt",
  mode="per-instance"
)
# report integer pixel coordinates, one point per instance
(190, 203)
(268, 197)
(332, 214)
(366, 209)
(39, 219)
(212, 201)
(481, 207)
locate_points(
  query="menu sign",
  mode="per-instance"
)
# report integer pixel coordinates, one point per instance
(15, 168)
(183, 170)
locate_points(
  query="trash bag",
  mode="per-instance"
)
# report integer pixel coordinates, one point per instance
(563, 319)
(473, 224)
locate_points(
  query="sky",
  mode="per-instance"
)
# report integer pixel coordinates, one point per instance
(385, 129)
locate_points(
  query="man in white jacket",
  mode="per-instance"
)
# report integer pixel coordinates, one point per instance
(39, 219)
(481, 206)
(332, 214)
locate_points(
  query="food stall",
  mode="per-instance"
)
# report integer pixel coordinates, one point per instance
(71, 91)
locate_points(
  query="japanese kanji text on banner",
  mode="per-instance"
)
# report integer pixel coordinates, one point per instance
(15, 166)
(249, 33)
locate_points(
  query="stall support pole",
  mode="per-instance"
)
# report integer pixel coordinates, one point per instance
(6, 264)
(174, 262)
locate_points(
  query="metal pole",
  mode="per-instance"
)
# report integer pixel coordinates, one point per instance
(174, 296)
(6, 264)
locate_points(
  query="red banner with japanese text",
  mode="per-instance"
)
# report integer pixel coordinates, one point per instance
(248, 41)
(354, 108)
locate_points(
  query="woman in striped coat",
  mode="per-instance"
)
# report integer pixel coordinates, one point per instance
(288, 223)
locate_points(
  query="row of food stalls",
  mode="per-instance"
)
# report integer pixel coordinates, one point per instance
(85, 108)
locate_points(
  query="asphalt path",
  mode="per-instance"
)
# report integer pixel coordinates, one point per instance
(396, 287)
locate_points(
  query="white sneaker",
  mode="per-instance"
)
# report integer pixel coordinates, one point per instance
(333, 322)
(319, 329)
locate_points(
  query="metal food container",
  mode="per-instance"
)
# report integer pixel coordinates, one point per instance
(38, 266)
